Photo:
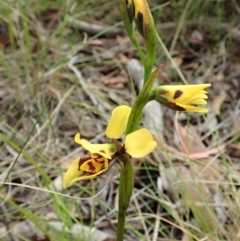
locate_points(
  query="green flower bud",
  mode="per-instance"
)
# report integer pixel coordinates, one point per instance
(127, 11)
(145, 25)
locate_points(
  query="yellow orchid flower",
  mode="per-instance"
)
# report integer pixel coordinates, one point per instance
(137, 144)
(84, 168)
(182, 97)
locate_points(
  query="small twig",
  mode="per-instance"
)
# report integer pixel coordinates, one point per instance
(236, 6)
(82, 82)
(156, 227)
(50, 191)
(142, 219)
(180, 25)
(93, 29)
(176, 125)
(3, 176)
(208, 22)
(233, 31)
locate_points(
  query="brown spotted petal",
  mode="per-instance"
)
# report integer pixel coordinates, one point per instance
(84, 168)
(182, 97)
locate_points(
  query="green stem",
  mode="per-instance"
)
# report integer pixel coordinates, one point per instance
(147, 65)
(135, 42)
(126, 183)
(147, 73)
(121, 224)
(147, 68)
(140, 102)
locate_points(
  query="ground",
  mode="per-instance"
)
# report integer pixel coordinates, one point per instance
(64, 66)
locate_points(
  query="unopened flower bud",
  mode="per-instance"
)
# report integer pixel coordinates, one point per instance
(127, 11)
(145, 25)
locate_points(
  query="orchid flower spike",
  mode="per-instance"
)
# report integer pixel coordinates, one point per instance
(137, 144)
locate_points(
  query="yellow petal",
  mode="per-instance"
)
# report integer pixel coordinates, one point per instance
(191, 108)
(85, 176)
(199, 102)
(72, 173)
(192, 99)
(118, 122)
(105, 150)
(139, 143)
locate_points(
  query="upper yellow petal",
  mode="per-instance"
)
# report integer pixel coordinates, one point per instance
(118, 122)
(72, 173)
(105, 150)
(139, 143)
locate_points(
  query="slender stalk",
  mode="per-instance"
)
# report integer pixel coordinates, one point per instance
(140, 13)
(126, 183)
(141, 101)
(121, 223)
(127, 175)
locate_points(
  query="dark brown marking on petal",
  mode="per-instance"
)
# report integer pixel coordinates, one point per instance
(171, 105)
(103, 166)
(140, 23)
(82, 160)
(91, 167)
(177, 94)
(140, 18)
(100, 161)
(175, 107)
(102, 151)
